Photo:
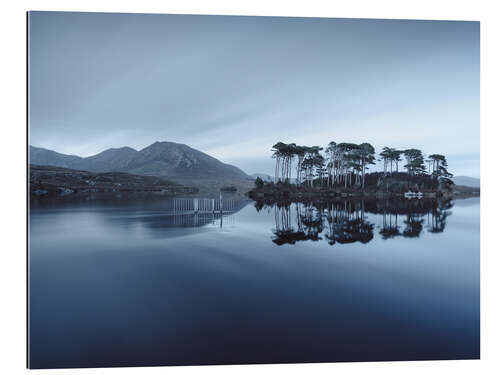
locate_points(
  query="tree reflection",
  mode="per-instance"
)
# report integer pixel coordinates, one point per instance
(347, 224)
(439, 214)
(346, 221)
(413, 225)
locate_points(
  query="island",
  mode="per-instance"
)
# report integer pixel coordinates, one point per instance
(340, 170)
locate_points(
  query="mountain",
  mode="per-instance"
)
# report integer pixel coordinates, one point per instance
(466, 181)
(178, 162)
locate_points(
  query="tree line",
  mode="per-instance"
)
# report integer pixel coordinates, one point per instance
(345, 164)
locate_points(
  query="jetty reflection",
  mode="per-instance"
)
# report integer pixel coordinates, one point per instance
(157, 216)
(163, 216)
(350, 221)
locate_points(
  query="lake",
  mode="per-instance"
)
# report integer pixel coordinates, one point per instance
(147, 282)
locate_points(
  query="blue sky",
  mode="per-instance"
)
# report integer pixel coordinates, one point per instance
(234, 86)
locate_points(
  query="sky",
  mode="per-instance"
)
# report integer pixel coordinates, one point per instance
(234, 86)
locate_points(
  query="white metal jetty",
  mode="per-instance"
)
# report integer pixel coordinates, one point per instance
(203, 205)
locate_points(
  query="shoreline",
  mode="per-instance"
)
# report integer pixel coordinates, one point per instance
(284, 194)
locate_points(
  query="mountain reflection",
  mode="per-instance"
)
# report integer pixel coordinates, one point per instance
(347, 221)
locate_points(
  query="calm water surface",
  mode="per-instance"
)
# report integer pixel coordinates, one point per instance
(130, 283)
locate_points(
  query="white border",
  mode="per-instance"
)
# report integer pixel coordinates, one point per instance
(13, 157)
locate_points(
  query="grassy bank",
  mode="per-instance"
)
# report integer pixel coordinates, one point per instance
(48, 181)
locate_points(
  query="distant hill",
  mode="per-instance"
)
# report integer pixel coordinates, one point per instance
(177, 162)
(263, 176)
(267, 177)
(42, 156)
(466, 181)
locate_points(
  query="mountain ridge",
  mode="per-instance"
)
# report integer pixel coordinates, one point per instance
(162, 159)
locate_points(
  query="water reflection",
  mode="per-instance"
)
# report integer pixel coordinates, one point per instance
(137, 275)
(347, 221)
(340, 221)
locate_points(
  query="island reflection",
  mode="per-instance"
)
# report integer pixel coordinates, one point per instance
(346, 221)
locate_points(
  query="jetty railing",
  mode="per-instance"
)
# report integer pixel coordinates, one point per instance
(203, 205)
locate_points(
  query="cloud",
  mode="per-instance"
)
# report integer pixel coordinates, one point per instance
(233, 86)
